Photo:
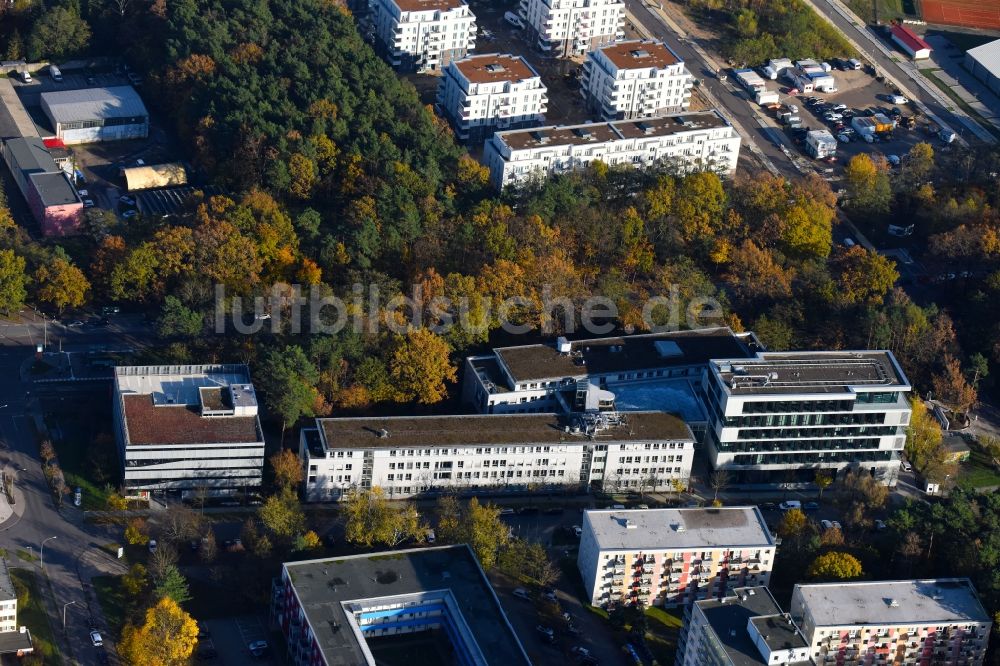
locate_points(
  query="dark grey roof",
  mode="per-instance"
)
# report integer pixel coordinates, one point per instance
(729, 618)
(54, 188)
(15, 641)
(6, 586)
(322, 585)
(64, 106)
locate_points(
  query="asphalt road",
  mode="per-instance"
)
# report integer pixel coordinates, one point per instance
(70, 559)
(904, 71)
(732, 98)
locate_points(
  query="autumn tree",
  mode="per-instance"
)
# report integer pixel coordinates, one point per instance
(420, 366)
(918, 163)
(136, 532)
(308, 541)
(868, 186)
(523, 558)
(823, 480)
(282, 515)
(61, 283)
(372, 520)
(12, 281)
(287, 469)
(952, 388)
(485, 533)
(835, 565)
(167, 637)
(753, 273)
(136, 580)
(449, 519)
(793, 525)
(863, 277)
(923, 437)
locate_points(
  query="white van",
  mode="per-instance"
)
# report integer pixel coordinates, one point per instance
(24, 75)
(55, 73)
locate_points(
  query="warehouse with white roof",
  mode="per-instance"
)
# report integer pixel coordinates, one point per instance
(984, 64)
(91, 115)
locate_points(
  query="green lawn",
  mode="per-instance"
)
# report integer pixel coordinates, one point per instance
(27, 556)
(111, 595)
(977, 472)
(32, 615)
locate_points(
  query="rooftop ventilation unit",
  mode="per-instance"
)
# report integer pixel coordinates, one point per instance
(639, 53)
(629, 525)
(893, 603)
(494, 67)
(539, 136)
(582, 132)
(383, 433)
(668, 349)
(679, 527)
(563, 345)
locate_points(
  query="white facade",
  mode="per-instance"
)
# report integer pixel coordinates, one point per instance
(635, 79)
(573, 27)
(93, 115)
(672, 557)
(412, 456)
(185, 428)
(788, 412)
(484, 93)
(689, 142)
(912, 622)
(423, 35)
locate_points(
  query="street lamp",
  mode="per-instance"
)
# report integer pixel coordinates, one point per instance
(42, 550)
(65, 606)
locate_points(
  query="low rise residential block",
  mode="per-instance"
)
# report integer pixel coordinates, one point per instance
(672, 557)
(746, 628)
(919, 622)
(423, 35)
(569, 28)
(682, 143)
(485, 93)
(635, 79)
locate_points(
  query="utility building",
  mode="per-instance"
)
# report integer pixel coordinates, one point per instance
(52, 200)
(92, 115)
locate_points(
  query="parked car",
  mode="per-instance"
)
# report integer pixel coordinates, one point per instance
(24, 75)
(55, 73)
(513, 19)
(837, 525)
(547, 633)
(810, 506)
(258, 648)
(550, 595)
(77, 496)
(843, 138)
(840, 107)
(431, 537)
(788, 505)
(577, 531)
(95, 638)
(880, 525)
(898, 99)
(826, 524)
(152, 545)
(521, 593)
(507, 511)
(907, 467)
(579, 651)
(893, 159)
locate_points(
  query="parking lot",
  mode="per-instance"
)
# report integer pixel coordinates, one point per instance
(229, 638)
(98, 163)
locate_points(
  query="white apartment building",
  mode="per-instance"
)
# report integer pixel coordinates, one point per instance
(635, 79)
(919, 622)
(672, 557)
(187, 427)
(572, 27)
(781, 416)
(695, 141)
(747, 628)
(13, 639)
(423, 35)
(484, 93)
(413, 456)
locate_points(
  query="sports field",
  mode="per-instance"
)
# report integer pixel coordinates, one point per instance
(970, 13)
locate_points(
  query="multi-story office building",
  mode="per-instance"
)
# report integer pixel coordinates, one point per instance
(355, 609)
(572, 27)
(484, 93)
(411, 456)
(747, 628)
(673, 557)
(702, 140)
(423, 35)
(917, 622)
(788, 414)
(635, 79)
(187, 428)
(651, 372)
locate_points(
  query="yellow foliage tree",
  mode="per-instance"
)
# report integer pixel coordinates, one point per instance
(835, 565)
(421, 366)
(166, 638)
(61, 283)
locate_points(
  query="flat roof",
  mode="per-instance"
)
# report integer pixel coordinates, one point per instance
(729, 620)
(987, 55)
(65, 106)
(54, 189)
(7, 590)
(14, 119)
(622, 354)
(495, 67)
(675, 396)
(487, 430)
(324, 586)
(893, 602)
(15, 641)
(640, 54)
(811, 372)
(163, 404)
(31, 155)
(427, 5)
(679, 529)
(603, 132)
